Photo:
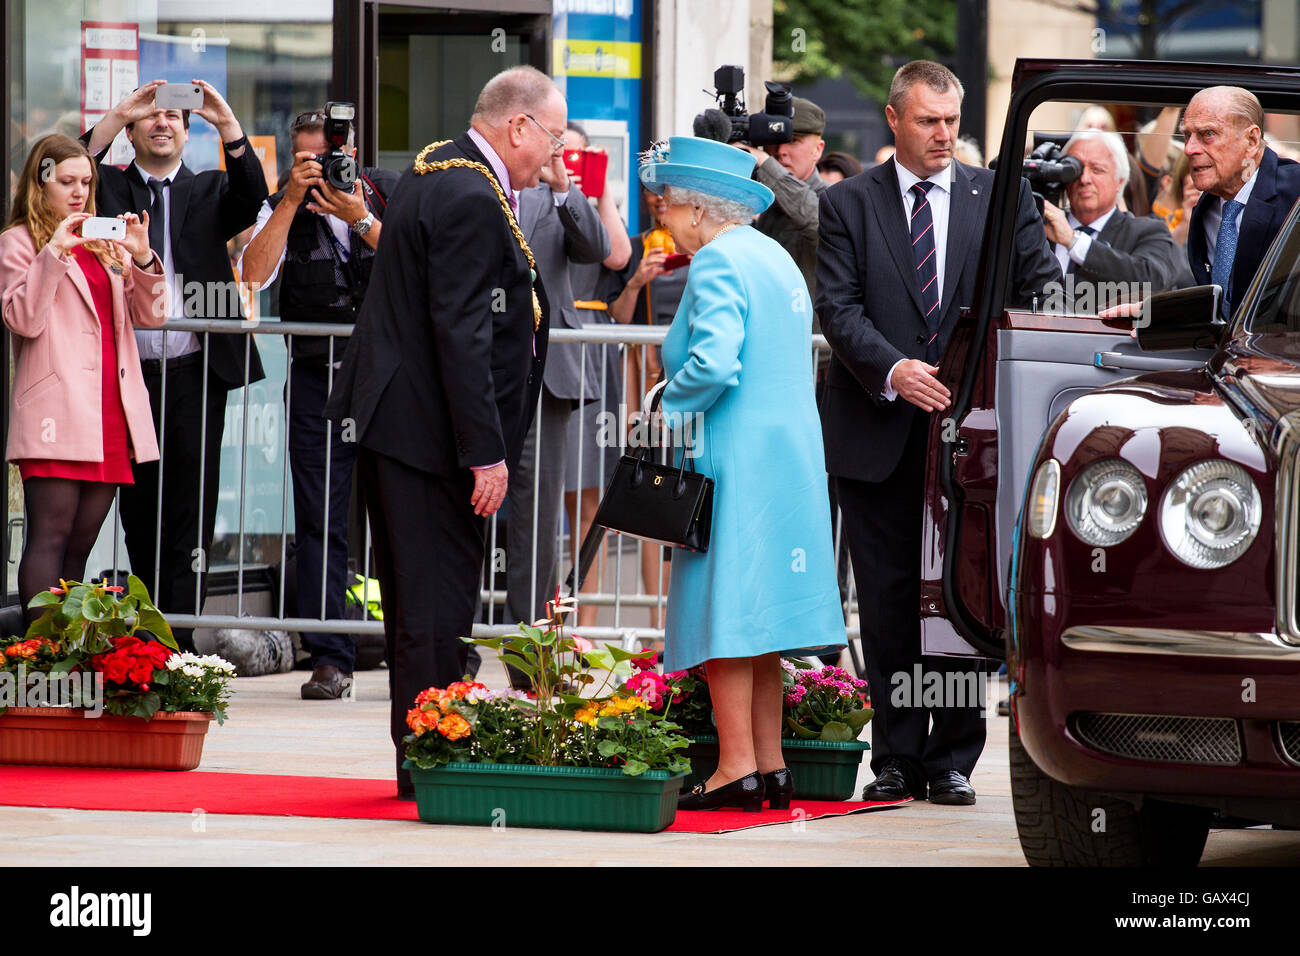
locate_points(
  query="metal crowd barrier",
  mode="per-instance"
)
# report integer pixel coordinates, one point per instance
(631, 343)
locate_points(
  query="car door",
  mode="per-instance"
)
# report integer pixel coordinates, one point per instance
(1011, 371)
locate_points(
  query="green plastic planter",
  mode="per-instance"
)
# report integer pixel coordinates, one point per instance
(821, 770)
(564, 798)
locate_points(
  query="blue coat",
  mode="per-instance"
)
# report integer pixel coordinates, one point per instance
(740, 383)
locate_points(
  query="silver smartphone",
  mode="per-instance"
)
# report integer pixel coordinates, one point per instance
(178, 96)
(103, 227)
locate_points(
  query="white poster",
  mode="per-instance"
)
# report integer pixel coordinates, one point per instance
(98, 84)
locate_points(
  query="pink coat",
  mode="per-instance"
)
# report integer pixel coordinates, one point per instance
(54, 409)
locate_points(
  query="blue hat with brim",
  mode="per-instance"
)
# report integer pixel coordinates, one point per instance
(706, 166)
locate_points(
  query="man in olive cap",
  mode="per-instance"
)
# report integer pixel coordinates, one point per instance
(790, 171)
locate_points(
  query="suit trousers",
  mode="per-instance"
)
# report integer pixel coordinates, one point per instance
(307, 390)
(882, 521)
(428, 550)
(190, 470)
(530, 559)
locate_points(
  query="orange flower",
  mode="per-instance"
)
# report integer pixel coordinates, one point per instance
(421, 720)
(454, 727)
(24, 649)
(427, 695)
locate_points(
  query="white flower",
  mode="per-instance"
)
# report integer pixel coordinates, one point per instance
(174, 662)
(193, 670)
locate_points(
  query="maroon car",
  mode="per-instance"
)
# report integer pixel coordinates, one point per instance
(1117, 516)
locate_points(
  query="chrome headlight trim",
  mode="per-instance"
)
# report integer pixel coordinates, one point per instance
(1106, 502)
(1210, 514)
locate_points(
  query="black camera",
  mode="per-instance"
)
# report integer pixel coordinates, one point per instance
(338, 168)
(731, 124)
(1048, 171)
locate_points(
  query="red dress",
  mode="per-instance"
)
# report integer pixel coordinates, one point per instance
(116, 466)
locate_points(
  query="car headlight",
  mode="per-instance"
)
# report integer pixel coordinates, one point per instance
(1043, 495)
(1106, 502)
(1210, 514)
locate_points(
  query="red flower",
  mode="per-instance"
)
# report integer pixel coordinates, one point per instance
(115, 588)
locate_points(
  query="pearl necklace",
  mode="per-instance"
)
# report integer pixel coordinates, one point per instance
(727, 228)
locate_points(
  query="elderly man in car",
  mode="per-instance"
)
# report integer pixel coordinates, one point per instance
(1096, 241)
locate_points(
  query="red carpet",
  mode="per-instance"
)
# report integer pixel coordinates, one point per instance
(282, 795)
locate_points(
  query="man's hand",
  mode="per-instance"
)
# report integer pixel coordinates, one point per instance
(217, 111)
(555, 174)
(1056, 225)
(754, 151)
(138, 104)
(915, 381)
(306, 173)
(489, 490)
(350, 207)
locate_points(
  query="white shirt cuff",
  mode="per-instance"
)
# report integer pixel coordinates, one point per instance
(888, 393)
(560, 197)
(1079, 248)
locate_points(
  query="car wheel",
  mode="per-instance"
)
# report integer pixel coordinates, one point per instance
(1060, 825)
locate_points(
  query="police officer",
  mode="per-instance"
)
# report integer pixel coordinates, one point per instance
(321, 242)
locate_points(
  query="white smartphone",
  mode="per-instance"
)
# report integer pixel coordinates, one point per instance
(178, 96)
(103, 227)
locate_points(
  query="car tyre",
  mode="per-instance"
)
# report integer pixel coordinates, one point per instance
(1056, 823)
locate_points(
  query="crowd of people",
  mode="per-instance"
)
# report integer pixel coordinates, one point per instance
(449, 401)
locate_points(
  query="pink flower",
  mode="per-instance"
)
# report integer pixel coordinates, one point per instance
(582, 643)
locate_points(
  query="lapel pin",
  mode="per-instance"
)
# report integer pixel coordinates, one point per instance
(974, 192)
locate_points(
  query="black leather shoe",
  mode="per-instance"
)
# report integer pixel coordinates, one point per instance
(890, 784)
(779, 788)
(746, 793)
(951, 789)
(327, 683)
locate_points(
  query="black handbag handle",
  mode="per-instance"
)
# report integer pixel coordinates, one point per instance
(643, 455)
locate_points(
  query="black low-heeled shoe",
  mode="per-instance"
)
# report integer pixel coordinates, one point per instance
(746, 793)
(779, 787)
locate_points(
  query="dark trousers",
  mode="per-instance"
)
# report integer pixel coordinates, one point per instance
(882, 521)
(190, 454)
(428, 548)
(307, 390)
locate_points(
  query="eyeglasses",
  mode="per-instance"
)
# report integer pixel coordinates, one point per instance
(557, 144)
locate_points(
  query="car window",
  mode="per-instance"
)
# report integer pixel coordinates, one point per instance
(1279, 304)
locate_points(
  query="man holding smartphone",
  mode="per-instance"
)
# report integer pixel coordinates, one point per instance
(169, 514)
(332, 236)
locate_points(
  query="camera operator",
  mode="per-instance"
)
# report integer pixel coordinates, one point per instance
(1098, 242)
(790, 171)
(320, 241)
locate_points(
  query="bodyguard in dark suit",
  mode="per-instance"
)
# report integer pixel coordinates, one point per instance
(899, 247)
(562, 228)
(192, 215)
(442, 375)
(1097, 241)
(1248, 190)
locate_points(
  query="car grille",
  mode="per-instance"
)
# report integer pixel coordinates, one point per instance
(1288, 735)
(1199, 740)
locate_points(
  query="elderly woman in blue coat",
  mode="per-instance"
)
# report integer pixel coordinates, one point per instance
(738, 361)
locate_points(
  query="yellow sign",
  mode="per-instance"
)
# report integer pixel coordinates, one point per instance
(610, 59)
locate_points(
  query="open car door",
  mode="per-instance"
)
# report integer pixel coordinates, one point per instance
(1012, 371)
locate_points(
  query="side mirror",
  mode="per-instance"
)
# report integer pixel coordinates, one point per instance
(1181, 319)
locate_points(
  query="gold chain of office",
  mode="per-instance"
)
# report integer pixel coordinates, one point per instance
(421, 167)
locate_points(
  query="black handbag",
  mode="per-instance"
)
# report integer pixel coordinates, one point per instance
(662, 504)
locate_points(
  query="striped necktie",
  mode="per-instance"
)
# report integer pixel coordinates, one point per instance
(927, 267)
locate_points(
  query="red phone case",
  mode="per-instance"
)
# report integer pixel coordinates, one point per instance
(591, 166)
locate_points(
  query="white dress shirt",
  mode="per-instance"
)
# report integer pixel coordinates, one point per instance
(149, 342)
(337, 226)
(1077, 251)
(940, 198)
(1214, 215)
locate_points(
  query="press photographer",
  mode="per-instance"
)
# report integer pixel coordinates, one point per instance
(319, 234)
(1096, 241)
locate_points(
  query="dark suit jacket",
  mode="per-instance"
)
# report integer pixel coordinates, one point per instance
(207, 209)
(559, 235)
(1277, 184)
(440, 373)
(869, 302)
(1129, 249)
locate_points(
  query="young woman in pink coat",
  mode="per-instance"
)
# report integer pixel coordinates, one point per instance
(79, 411)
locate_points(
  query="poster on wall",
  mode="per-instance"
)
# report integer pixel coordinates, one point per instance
(110, 69)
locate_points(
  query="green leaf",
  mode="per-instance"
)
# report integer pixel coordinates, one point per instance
(799, 664)
(634, 767)
(800, 730)
(63, 666)
(135, 588)
(837, 731)
(45, 599)
(530, 632)
(93, 609)
(492, 642)
(575, 699)
(857, 719)
(610, 748)
(516, 661)
(600, 658)
(621, 655)
(152, 621)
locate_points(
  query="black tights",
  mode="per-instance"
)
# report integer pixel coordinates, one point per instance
(63, 520)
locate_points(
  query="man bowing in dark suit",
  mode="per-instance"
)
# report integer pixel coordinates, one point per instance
(442, 375)
(898, 252)
(191, 216)
(1247, 189)
(1098, 242)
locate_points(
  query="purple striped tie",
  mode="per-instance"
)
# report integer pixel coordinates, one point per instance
(927, 268)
